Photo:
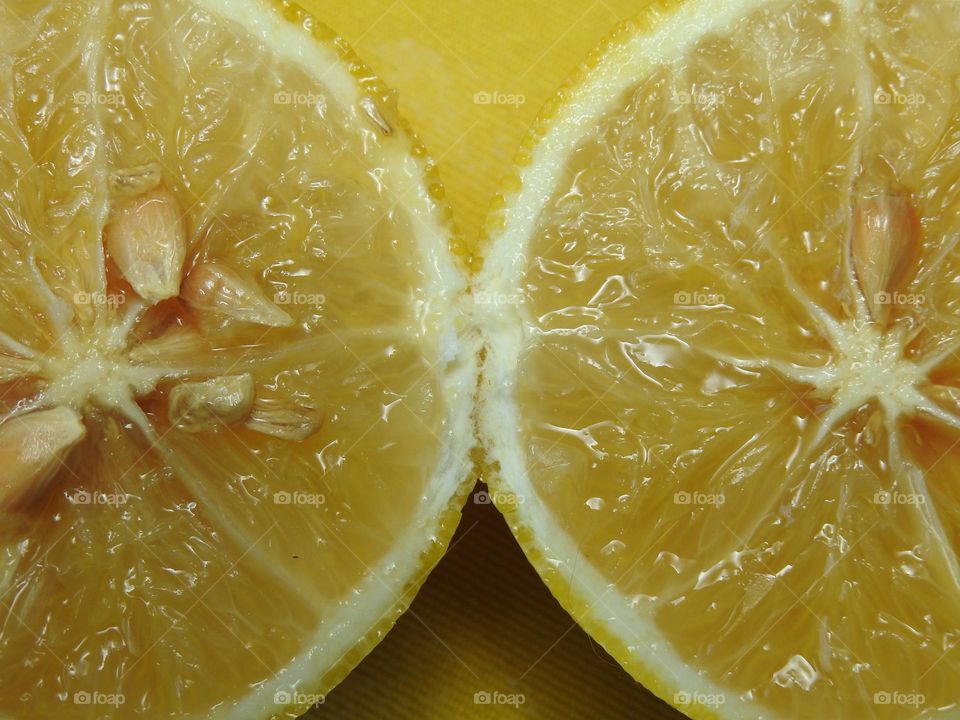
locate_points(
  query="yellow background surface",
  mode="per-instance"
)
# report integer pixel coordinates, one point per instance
(483, 621)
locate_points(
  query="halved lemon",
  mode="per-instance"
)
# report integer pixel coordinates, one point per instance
(721, 387)
(235, 393)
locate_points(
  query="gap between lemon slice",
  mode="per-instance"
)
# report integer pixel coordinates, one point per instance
(719, 399)
(236, 387)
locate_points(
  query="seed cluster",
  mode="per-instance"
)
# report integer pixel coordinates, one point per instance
(146, 239)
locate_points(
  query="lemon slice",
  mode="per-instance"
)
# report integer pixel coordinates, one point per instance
(720, 396)
(235, 409)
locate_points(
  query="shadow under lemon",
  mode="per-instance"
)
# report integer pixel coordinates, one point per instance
(485, 638)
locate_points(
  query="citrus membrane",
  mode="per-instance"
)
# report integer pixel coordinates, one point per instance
(236, 394)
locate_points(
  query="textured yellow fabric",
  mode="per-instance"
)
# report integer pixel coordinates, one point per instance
(472, 75)
(484, 622)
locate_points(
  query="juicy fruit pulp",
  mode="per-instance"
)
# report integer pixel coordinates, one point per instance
(735, 382)
(232, 424)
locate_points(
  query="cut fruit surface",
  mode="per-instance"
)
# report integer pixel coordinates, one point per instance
(235, 396)
(720, 388)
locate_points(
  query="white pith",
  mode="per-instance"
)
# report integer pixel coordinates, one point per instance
(83, 372)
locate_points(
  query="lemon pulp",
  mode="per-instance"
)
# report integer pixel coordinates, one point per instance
(736, 464)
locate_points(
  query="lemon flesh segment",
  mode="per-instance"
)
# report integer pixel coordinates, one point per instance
(259, 469)
(731, 418)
